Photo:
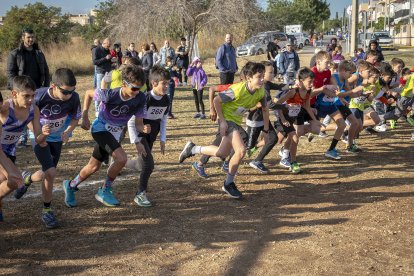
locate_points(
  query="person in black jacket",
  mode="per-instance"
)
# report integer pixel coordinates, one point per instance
(28, 60)
(147, 62)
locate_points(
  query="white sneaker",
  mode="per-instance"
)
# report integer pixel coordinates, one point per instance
(184, 84)
(381, 128)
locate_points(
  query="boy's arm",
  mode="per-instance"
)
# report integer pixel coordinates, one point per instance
(40, 132)
(223, 124)
(89, 95)
(163, 133)
(211, 94)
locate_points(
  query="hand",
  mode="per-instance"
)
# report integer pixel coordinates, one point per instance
(213, 114)
(162, 147)
(108, 57)
(86, 124)
(65, 137)
(223, 128)
(141, 149)
(146, 129)
(285, 123)
(45, 130)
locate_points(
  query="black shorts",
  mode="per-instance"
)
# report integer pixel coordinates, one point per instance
(105, 145)
(232, 126)
(11, 157)
(285, 130)
(358, 114)
(344, 110)
(307, 117)
(48, 156)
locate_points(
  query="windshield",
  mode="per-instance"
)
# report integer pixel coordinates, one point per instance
(255, 39)
(382, 35)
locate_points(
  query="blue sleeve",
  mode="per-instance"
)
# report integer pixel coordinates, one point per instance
(282, 64)
(219, 56)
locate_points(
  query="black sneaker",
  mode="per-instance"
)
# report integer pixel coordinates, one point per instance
(370, 130)
(186, 151)
(26, 183)
(232, 190)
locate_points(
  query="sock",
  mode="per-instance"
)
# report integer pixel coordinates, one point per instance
(333, 144)
(229, 179)
(76, 181)
(108, 181)
(46, 206)
(285, 154)
(346, 133)
(196, 150)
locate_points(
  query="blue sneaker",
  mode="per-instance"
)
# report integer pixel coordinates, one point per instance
(70, 199)
(106, 197)
(285, 163)
(199, 169)
(49, 219)
(333, 154)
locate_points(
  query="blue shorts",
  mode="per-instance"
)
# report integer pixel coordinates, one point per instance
(358, 114)
(325, 110)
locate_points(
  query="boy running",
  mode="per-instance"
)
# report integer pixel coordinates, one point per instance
(117, 107)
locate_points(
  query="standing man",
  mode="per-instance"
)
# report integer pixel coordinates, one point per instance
(289, 64)
(130, 51)
(272, 50)
(28, 60)
(101, 58)
(96, 43)
(166, 51)
(226, 61)
(182, 61)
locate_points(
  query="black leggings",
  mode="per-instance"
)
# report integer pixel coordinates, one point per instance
(254, 133)
(198, 98)
(147, 164)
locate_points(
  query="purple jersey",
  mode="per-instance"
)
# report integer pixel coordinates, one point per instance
(55, 113)
(13, 129)
(115, 112)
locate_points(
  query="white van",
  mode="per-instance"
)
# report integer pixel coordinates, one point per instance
(302, 39)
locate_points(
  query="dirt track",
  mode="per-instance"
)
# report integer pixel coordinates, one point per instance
(348, 217)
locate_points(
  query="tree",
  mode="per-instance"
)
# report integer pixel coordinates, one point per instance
(47, 23)
(137, 19)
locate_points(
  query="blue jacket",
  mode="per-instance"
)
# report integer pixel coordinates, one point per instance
(166, 52)
(226, 59)
(284, 62)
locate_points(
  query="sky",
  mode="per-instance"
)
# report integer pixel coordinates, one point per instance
(84, 6)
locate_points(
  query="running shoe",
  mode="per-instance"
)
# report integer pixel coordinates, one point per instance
(333, 154)
(285, 162)
(142, 200)
(70, 199)
(106, 197)
(186, 151)
(381, 128)
(295, 168)
(199, 169)
(197, 115)
(202, 117)
(323, 134)
(370, 130)
(393, 124)
(259, 166)
(353, 149)
(232, 190)
(410, 121)
(251, 151)
(23, 189)
(49, 219)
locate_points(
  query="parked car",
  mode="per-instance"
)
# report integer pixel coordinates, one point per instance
(385, 41)
(302, 39)
(256, 45)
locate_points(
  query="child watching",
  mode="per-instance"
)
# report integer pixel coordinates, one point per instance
(198, 81)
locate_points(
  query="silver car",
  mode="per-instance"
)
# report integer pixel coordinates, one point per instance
(257, 44)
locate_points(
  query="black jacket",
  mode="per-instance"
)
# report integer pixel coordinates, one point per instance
(147, 61)
(103, 65)
(16, 66)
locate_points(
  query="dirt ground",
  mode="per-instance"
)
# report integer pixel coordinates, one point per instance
(347, 217)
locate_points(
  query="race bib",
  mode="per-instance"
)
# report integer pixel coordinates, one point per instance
(360, 100)
(240, 110)
(116, 131)
(294, 110)
(9, 138)
(55, 125)
(156, 112)
(328, 99)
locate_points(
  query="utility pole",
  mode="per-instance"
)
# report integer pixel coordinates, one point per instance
(354, 30)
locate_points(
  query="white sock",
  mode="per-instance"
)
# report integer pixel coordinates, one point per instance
(285, 154)
(196, 150)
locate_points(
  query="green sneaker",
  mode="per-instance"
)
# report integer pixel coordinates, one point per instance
(295, 168)
(353, 149)
(393, 123)
(142, 200)
(410, 121)
(251, 151)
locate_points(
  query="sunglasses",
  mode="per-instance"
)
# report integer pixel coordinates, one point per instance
(64, 91)
(133, 87)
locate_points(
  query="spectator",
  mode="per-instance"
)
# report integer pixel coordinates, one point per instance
(272, 51)
(359, 54)
(147, 62)
(337, 56)
(96, 43)
(226, 61)
(155, 54)
(117, 54)
(28, 60)
(130, 51)
(166, 51)
(312, 62)
(182, 61)
(332, 45)
(373, 45)
(289, 64)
